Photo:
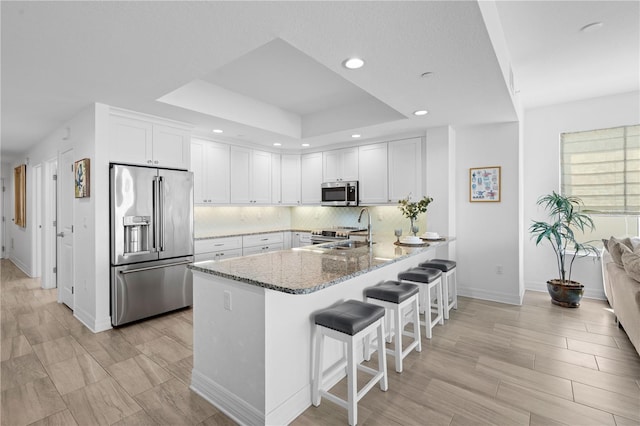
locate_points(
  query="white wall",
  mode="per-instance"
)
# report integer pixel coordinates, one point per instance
(541, 172)
(487, 233)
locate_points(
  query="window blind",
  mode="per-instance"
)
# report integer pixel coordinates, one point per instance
(602, 167)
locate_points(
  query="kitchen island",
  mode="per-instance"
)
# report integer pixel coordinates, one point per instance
(253, 321)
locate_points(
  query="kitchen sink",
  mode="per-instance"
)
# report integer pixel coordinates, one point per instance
(348, 245)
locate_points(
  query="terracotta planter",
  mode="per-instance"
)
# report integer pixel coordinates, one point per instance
(565, 295)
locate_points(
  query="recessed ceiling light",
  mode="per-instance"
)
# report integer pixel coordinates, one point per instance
(355, 135)
(353, 63)
(589, 28)
(305, 144)
(277, 144)
(420, 112)
(217, 131)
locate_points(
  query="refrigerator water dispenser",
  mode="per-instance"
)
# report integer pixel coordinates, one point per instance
(136, 234)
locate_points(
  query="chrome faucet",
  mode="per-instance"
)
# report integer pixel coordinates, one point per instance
(369, 237)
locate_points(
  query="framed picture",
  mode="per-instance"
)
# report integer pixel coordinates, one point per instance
(20, 194)
(81, 173)
(484, 184)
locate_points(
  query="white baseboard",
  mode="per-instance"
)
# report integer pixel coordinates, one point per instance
(480, 293)
(96, 326)
(225, 401)
(21, 266)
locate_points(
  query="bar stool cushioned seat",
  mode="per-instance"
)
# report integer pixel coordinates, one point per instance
(432, 280)
(398, 299)
(349, 322)
(349, 317)
(450, 287)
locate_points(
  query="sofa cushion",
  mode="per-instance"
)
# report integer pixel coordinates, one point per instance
(631, 263)
(616, 246)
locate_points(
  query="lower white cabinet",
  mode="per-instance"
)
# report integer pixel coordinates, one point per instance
(262, 243)
(218, 248)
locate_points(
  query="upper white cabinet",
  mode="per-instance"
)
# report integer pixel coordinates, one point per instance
(250, 174)
(373, 185)
(405, 169)
(148, 143)
(290, 179)
(210, 166)
(340, 165)
(311, 179)
(276, 181)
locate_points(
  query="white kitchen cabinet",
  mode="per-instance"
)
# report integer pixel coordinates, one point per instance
(340, 165)
(311, 178)
(405, 169)
(135, 141)
(373, 174)
(218, 248)
(250, 176)
(276, 181)
(262, 243)
(300, 239)
(210, 167)
(290, 179)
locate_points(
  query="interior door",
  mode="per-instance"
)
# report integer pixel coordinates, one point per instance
(65, 228)
(37, 183)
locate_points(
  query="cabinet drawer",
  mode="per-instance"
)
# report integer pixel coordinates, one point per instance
(262, 249)
(218, 255)
(217, 244)
(262, 239)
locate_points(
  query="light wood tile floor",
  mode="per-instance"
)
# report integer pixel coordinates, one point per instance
(535, 364)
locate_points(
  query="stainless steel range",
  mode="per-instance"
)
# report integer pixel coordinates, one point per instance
(337, 233)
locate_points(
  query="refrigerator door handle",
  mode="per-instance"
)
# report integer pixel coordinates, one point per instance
(166, 265)
(156, 215)
(161, 211)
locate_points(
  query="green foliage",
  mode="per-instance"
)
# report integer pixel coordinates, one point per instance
(411, 210)
(565, 214)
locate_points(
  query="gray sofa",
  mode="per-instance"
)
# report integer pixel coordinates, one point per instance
(622, 291)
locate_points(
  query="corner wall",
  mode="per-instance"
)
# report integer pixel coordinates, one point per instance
(542, 128)
(488, 233)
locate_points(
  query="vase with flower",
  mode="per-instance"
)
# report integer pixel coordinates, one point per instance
(411, 209)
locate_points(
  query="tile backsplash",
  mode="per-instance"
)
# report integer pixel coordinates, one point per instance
(225, 220)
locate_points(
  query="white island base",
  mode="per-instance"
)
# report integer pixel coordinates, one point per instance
(252, 345)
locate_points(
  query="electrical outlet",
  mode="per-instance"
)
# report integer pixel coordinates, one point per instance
(499, 269)
(227, 300)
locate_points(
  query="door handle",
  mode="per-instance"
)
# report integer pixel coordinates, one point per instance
(60, 234)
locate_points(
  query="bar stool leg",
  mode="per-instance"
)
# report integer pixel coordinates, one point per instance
(315, 397)
(455, 289)
(382, 359)
(352, 383)
(441, 302)
(445, 295)
(416, 324)
(398, 335)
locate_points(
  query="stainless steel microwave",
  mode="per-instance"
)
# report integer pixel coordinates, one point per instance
(340, 193)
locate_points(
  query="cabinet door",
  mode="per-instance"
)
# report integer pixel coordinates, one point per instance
(216, 164)
(276, 183)
(350, 162)
(373, 174)
(170, 147)
(260, 172)
(198, 168)
(130, 141)
(405, 169)
(290, 179)
(240, 159)
(340, 165)
(311, 179)
(331, 165)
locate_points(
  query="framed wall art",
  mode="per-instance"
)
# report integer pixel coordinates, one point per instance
(81, 173)
(484, 184)
(20, 194)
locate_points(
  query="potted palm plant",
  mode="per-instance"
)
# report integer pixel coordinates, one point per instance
(565, 217)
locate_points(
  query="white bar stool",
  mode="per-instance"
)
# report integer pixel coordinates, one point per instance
(349, 322)
(432, 280)
(450, 288)
(398, 299)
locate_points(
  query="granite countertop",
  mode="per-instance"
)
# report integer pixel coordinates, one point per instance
(308, 269)
(237, 234)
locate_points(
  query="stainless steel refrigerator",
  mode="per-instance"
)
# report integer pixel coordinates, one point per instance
(151, 241)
